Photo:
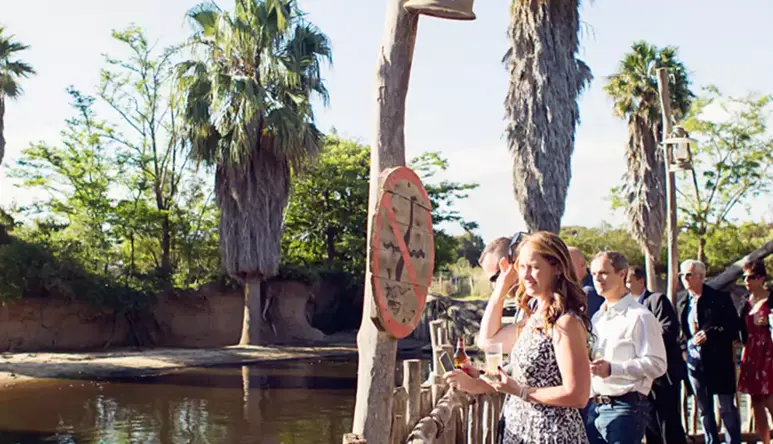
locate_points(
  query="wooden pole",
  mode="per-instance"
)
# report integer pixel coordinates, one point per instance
(672, 285)
(378, 349)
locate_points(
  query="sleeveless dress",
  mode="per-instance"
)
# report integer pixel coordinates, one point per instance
(756, 375)
(533, 363)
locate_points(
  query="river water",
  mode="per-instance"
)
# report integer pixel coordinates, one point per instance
(300, 402)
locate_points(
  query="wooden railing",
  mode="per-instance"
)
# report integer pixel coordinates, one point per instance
(430, 412)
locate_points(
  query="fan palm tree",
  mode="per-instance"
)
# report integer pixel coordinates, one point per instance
(11, 71)
(541, 107)
(249, 114)
(634, 90)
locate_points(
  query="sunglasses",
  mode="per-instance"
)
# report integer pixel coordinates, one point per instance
(750, 277)
(516, 240)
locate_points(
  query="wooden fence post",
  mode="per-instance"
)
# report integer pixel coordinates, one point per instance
(474, 415)
(399, 424)
(412, 385)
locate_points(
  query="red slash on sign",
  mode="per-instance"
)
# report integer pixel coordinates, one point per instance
(402, 252)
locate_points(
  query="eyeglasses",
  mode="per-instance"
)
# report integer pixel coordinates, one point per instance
(516, 240)
(750, 277)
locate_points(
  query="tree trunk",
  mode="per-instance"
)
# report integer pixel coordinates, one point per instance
(166, 246)
(378, 349)
(650, 265)
(734, 271)
(702, 248)
(541, 109)
(2, 127)
(252, 312)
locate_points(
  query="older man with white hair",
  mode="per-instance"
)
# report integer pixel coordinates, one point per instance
(710, 325)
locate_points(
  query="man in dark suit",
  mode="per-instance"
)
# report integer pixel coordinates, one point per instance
(710, 326)
(665, 425)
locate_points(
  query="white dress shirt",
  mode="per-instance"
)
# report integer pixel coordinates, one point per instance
(629, 337)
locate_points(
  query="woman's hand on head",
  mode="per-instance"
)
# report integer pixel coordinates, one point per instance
(508, 277)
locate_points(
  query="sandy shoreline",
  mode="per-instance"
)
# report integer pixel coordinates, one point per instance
(17, 368)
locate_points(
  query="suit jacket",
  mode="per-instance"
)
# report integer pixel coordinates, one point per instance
(717, 317)
(664, 311)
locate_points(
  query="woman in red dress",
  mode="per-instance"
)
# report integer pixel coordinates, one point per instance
(756, 376)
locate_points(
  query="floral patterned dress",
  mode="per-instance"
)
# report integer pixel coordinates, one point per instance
(533, 363)
(756, 376)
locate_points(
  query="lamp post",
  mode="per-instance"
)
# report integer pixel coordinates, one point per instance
(677, 157)
(376, 348)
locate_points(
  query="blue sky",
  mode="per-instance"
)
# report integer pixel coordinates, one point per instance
(458, 84)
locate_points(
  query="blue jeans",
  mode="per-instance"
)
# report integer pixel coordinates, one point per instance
(727, 410)
(621, 421)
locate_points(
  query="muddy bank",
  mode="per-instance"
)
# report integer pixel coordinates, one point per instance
(208, 317)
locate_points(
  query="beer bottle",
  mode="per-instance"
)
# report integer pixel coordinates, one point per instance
(460, 356)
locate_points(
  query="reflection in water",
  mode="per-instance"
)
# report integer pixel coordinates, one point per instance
(301, 402)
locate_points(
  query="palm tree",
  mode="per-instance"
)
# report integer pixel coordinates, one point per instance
(634, 90)
(11, 71)
(249, 114)
(541, 106)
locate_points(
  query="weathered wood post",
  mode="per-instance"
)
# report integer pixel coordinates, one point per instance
(377, 349)
(400, 258)
(412, 384)
(672, 286)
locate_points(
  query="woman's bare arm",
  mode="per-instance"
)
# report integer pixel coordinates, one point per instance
(491, 330)
(570, 343)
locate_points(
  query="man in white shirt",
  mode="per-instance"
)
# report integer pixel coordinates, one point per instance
(627, 355)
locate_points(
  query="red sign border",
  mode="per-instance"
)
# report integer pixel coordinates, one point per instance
(389, 323)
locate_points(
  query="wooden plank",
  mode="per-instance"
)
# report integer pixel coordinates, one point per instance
(399, 427)
(412, 385)
(407, 191)
(426, 401)
(487, 413)
(420, 219)
(474, 421)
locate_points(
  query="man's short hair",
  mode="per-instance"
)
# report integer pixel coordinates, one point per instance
(637, 272)
(499, 248)
(618, 260)
(757, 268)
(699, 266)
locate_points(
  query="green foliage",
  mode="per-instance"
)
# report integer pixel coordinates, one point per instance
(126, 212)
(591, 240)
(326, 220)
(470, 246)
(11, 69)
(733, 162)
(49, 261)
(726, 244)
